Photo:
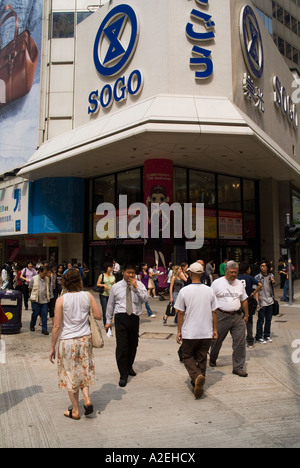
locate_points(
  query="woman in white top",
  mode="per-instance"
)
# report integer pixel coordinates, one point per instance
(75, 360)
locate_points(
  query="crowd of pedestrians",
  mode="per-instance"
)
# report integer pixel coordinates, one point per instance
(209, 307)
(40, 284)
(206, 307)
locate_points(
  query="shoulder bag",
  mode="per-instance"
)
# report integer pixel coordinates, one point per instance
(18, 60)
(276, 310)
(97, 337)
(99, 289)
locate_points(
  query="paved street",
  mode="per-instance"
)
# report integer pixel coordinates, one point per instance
(157, 409)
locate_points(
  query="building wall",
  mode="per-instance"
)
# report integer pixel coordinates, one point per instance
(271, 121)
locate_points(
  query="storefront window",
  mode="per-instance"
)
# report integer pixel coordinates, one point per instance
(129, 183)
(229, 193)
(104, 190)
(202, 188)
(62, 25)
(249, 195)
(180, 189)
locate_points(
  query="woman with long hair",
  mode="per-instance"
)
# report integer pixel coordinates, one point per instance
(106, 281)
(75, 360)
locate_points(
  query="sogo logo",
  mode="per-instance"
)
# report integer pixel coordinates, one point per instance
(113, 50)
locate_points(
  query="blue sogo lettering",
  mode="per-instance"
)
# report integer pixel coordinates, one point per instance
(117, 92)
(203, 56)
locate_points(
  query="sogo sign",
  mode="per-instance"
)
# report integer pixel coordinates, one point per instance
(111, 59)
(285, 103)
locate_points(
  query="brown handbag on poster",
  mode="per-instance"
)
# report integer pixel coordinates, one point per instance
(18, 61)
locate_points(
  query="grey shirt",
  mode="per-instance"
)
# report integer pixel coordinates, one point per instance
(266, 294)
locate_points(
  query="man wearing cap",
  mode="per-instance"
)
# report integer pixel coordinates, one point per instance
(196, 306)
(232, 317)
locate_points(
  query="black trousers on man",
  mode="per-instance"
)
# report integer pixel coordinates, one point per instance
(127, 336)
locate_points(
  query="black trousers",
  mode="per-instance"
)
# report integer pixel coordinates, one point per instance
(127, 336)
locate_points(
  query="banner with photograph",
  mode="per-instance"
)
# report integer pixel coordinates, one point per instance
(20, 66)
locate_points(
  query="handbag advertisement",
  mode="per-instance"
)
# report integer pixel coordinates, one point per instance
(20, 58)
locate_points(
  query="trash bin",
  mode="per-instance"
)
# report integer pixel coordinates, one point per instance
(11, 302)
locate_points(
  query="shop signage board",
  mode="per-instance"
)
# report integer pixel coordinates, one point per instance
(14, 209)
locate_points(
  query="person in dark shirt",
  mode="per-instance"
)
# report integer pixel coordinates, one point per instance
(249, 282)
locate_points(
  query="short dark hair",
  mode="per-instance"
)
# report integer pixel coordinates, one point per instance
(268, 264)
(128, 266)
(106, 266)
(244, 267)
(72, 281)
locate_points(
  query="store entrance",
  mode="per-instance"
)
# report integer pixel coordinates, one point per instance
(121, 253)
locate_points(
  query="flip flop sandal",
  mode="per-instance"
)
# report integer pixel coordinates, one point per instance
(70, 415)
(88, 410)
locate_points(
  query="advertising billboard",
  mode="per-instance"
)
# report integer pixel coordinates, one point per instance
(20, 59)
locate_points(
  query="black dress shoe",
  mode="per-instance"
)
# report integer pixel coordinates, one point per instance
(131, 372)
(32, 328)
(240, 373)
(45, 332)
(123, 382)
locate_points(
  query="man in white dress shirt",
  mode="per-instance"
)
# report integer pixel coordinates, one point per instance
(125, 302)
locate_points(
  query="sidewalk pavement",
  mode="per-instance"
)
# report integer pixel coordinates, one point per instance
(157, 408)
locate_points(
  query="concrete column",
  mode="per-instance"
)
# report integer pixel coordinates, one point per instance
(270, 221)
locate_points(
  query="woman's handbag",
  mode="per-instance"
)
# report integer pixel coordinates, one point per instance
(18, 60)
(99, 289)
(97, 337)
(170, 310)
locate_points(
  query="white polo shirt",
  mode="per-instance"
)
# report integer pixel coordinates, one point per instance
(229, 295)
(197, 301)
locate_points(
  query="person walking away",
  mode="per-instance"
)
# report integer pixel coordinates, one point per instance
(266, 302)
(249, 283)
(106, 280)
(75, 360)
(144, 277)
(26, 275)
(196, 306)
(125, 304)
(232, 299)
(39, 288)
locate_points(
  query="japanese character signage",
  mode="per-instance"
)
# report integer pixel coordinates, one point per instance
(202, 58)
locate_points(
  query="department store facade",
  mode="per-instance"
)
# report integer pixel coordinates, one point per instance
(181, 96)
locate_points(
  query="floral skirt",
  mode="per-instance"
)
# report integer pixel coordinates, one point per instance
(76, 366)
